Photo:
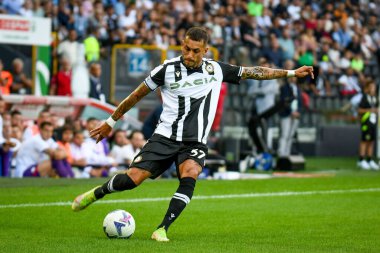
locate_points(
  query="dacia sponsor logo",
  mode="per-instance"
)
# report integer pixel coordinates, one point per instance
(195, 82)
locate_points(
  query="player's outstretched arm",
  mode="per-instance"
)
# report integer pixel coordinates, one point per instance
(105, 128)
(263, 73)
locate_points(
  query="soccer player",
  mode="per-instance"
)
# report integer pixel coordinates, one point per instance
(190, 86)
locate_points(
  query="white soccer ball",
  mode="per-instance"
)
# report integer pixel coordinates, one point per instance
(119, 224)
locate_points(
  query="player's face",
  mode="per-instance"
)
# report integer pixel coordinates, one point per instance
(193, 52)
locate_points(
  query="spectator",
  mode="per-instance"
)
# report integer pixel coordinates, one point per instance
(289, 115)
(17, 119)
(274, 52)
(61, 82)
(255, 8)
(40, 156)
(70, 49)
(2, 110)
(294, 10)
(65, 140)
(357, 63)
(34, 129)
(349, 83)
(80, 153)
(8, 150)
(341, 35)
(6, 80)
(81, 23)
(92, 45)
(287, 45)
(112, 26)
(368, 111)
(137, 142)
(21, 83)
(250, 36)
(120, 148)
(27, 9)
(263, 107)
(96, 90)
(97, 156)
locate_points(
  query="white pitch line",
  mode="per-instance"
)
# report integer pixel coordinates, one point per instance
(229, 196)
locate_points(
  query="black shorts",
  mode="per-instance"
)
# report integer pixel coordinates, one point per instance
(368, 132)
(160, 152)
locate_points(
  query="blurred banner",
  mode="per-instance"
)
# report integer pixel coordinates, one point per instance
(25, 31)
(42, 70)
(37, 33)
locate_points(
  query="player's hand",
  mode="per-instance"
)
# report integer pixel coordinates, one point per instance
(304, 71)
(101, 132)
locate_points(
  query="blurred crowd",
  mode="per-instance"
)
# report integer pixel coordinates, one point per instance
(339, 38)
(54, 147)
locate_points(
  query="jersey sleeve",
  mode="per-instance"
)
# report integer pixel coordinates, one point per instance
(231, 73)
(156, 77)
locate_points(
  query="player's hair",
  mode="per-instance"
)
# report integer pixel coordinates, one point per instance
(198, 34)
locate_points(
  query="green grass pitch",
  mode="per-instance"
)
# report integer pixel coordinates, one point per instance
(325, 214)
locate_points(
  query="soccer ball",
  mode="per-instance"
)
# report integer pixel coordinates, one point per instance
(264, 162)
(119, 224)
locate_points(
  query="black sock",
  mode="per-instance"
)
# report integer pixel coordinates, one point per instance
(360, 158)
(119, 182)
(368, 159)
(179, 201)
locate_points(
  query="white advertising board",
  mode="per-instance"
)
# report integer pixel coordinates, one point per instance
(25, 31)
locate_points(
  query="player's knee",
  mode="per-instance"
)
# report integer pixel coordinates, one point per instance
(138, 175)
(190, 168)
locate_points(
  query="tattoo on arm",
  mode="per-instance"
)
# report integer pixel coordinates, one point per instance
(262, 73)
(141, 91)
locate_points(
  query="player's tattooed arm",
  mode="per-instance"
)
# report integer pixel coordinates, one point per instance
(141, 91)
(262, 73)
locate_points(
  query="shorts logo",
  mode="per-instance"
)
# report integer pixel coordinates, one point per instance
(138, 159)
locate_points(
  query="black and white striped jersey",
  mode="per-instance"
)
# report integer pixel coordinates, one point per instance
(190, 96)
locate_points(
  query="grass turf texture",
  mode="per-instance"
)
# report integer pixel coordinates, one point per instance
(344, 222)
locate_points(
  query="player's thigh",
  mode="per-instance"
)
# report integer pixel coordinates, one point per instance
(191, 159)
(156, 156)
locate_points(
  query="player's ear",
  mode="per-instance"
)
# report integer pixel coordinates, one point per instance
(206, 48)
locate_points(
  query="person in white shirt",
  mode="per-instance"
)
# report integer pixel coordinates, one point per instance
(120, 148)
(40, 156)
(98, 154)
(137, 142)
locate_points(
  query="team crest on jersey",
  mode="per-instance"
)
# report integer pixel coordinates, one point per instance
(138, 159)
(210, 68)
